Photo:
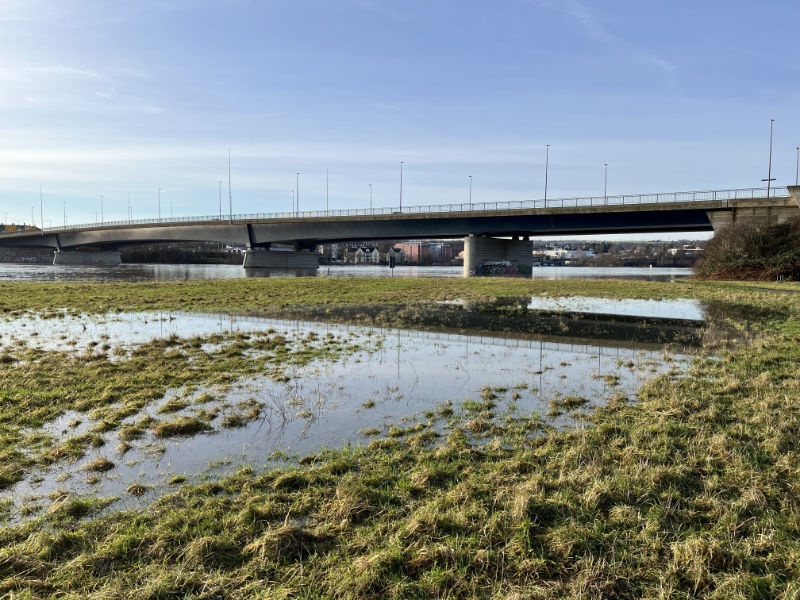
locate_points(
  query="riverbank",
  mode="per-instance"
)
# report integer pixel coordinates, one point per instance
(688, 490)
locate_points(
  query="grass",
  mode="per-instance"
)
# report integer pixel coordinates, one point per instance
(36, 387)
(690, 492)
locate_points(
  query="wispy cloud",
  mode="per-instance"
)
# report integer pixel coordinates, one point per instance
(68, 71)
(594, 29)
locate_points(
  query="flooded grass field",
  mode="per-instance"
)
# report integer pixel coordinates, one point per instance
(378, 380)
(410, 439)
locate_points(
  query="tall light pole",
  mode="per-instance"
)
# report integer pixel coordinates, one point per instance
(220, 199)
(41, 208)
(605, 184)
(401, 185)
(297, 199)
(470, 192)
(230, 193)
(797, 165)
(65, 213)
(159, 204)
(370, 197)
(546, 169)
(326, 190)
(769, 178)
(292, 201)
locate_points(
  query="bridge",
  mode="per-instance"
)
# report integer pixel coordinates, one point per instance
(493, 231)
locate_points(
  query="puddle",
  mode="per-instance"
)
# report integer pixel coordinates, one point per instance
(681, 308)
(397, 376)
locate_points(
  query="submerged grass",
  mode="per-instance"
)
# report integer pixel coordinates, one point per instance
(690, 492)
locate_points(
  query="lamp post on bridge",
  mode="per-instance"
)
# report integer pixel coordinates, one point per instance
(370, 198)
(65, 213)
(797, 166)
(297, 187)
(470, 192)
(102, 218)
(546, 169)
(401, 185)
(769, 178)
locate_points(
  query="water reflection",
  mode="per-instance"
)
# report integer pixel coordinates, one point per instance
(397, 375)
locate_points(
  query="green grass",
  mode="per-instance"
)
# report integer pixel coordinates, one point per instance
(691, 491)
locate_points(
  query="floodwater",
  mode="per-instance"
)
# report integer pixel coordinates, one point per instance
(681, 308)
(158, 272)
(394, 377)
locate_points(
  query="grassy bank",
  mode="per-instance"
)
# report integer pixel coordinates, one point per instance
(276, 293)
(691, 490)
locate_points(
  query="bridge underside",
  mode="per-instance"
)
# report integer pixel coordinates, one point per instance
(306, 234)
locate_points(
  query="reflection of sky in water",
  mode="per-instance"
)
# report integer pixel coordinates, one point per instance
(154, 272)
(322, 404)
(681, 308)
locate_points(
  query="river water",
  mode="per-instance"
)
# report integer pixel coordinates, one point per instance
(157, 272)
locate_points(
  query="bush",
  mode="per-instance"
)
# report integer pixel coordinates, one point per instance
(752, 251)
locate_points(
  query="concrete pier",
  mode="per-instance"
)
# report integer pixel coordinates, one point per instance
(259, 258)
(100, 258)
(482, 255)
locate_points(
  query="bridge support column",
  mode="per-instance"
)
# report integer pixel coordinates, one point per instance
(492, 256)
(794, 192)
(99, 258)
(259, 258)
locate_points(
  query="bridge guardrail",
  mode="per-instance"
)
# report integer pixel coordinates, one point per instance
(588, 201)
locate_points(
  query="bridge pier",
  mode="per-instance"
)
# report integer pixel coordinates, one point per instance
(493, 256)
(96, 258)
(261, 258)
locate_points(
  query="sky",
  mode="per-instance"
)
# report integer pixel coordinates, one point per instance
(118, 99)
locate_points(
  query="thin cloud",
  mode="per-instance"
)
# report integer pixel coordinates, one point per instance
(595, 30)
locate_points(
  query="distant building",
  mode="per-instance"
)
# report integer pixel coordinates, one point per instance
(687, 249)
(421, 253)
(367, 255)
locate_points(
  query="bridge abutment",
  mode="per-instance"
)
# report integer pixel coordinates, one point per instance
(493, 256)
(97, 258)
(750, 212)
(259, 258)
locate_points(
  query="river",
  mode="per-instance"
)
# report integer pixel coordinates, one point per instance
(158, 272)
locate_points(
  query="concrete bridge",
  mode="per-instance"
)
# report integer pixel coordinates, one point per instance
(495, 231)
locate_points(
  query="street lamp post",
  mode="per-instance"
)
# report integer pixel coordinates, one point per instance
(65, 213)
(470, 192)
(230, 192)
(292, 201)
(327, 189)
(546, 169)
(370, 198)
(401, 185)
(769, 178)
(797, 165)
(605, 184)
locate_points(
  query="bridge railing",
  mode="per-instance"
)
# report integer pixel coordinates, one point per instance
(588, 201)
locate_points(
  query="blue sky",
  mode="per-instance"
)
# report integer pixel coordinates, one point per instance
(123, 97)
